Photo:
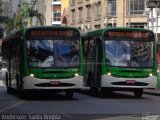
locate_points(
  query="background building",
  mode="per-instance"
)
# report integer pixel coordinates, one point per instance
(5, 7)
(95, 14)
(52, 11)
(13, 6)
(153, 17)
(3, 15)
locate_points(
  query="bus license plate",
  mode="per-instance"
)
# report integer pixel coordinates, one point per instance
(55, 82)
(130, 81)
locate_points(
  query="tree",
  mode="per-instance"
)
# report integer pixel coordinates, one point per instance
(23, 17)
(29, 12)
(9, 25)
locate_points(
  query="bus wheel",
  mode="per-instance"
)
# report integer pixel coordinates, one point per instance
(7, 84)
(9, 90)
(17, 82)
(106, 92)
(69, 93)
(94, 91)
(138, 93)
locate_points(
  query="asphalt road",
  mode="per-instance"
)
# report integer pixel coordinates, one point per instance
(50, 106)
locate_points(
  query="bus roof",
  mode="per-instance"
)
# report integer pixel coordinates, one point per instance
(103, 30)
(50, 27)
(22, 31)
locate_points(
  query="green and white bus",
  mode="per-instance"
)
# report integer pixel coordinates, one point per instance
(44, 58)
(120, 59)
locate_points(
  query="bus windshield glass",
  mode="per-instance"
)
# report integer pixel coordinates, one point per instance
(53, 53)
(129, 53)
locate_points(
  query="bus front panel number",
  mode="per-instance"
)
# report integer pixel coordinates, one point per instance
(130, 81)
(54, 82)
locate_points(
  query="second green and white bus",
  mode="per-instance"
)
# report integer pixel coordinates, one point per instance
(120, 59)
(44, 58)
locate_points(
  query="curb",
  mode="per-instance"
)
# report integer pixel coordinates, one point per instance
(156, 93)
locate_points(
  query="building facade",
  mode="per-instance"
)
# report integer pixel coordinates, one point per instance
(5, 7)
(5, 13)
(52, 11)
(95, 14)
(13, 6)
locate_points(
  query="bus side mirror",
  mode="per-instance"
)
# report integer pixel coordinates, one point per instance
(35, 50)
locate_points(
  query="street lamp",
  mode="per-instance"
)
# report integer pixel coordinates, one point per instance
(147, 11)
(82, 27)
(112, 21)
(154, 4)
(105, 21)
(88, 27)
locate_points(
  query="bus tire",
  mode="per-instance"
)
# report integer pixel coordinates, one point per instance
(106, 92)
(94, 91)
(69, 93)
(9, 90)
(17, 82)
(6, 79)
(138, 93)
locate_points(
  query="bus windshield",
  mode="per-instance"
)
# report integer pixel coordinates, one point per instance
(129, 53)
(48, 53)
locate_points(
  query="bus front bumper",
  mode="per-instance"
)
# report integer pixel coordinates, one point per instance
(57, 84)
(113, 82)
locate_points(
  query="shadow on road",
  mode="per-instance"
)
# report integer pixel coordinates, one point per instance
(112, 95)
(44, 96)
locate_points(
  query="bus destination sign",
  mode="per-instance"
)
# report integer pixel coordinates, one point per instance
(128, 34)
(52, 33)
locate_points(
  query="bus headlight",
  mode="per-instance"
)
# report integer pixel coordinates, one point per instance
(150, 74)
(109, 74)
(32, 75)
(76, 74)
(4, 69)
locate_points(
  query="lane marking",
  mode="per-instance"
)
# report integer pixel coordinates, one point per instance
(12, 106)
(69, 116)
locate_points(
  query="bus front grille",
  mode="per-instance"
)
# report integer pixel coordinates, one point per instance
(56, 85)
(126, 84)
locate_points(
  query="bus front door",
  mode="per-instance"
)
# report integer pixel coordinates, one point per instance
(92, 63)
(97, 63)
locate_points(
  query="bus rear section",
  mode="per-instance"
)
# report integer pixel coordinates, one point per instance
(50, 60)
(128, 60)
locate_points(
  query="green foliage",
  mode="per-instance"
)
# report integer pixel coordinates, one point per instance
(23, 17)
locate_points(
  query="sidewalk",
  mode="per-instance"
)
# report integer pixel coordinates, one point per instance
(151, 92)
(1, 83)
